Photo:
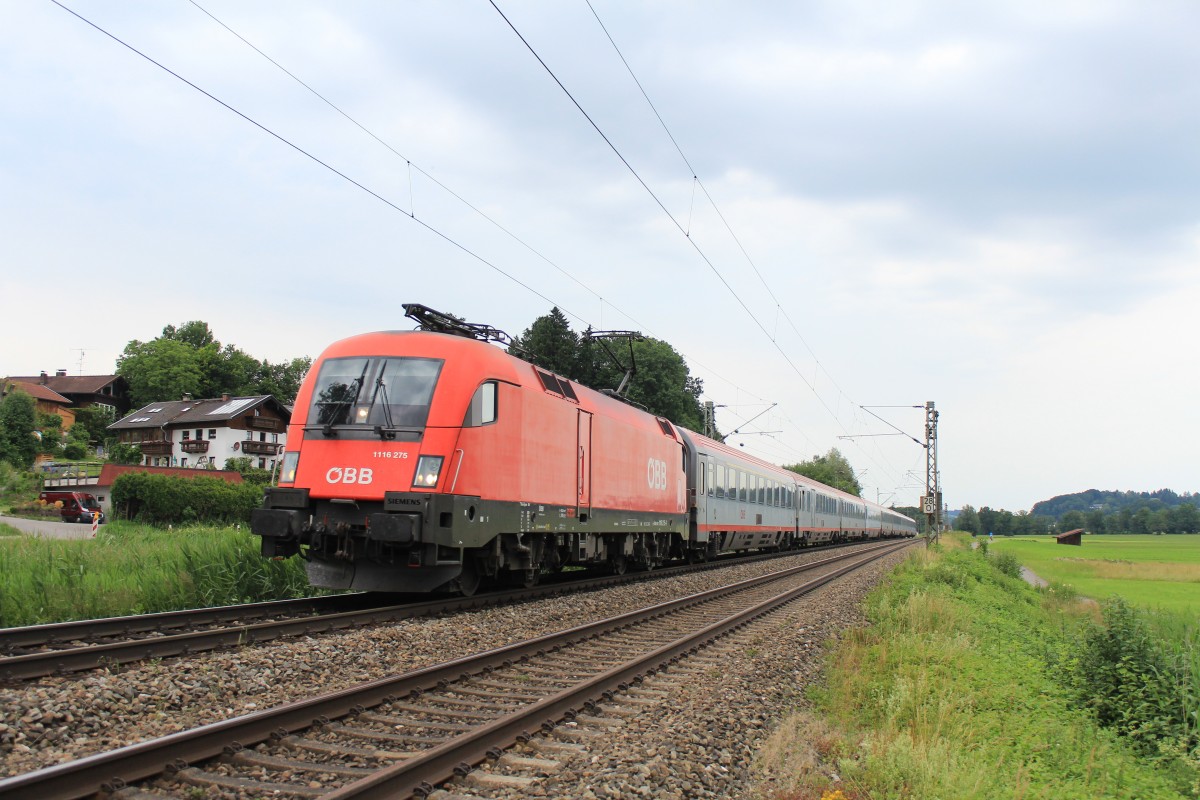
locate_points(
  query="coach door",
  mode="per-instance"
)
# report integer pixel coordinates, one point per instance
(583, 468)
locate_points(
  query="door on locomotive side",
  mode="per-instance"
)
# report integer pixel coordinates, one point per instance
(583, 466)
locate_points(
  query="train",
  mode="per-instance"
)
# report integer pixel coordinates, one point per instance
(434, 460)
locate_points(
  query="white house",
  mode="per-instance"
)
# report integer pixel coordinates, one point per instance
(204, 434)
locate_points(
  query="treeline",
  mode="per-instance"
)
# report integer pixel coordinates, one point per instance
(190, 360)
(1111, 502)
(1183, 518)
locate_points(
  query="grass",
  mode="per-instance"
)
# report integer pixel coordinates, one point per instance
(132, 569)
(956, 691)
(1150, 571)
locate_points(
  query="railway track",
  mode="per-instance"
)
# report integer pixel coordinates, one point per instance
(402, 736)
(37, 651)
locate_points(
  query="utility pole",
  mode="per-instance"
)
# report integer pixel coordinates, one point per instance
(710, 419)
(931, 503)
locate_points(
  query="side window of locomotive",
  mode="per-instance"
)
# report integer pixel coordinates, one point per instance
(482, 410)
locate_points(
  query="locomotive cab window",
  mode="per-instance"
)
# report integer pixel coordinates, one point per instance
(381, 390)
(482, 410)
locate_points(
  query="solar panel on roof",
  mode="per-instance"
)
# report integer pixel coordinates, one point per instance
(232, 407)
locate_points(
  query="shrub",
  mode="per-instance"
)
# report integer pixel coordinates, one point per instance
(1006, 562)
(168, 500)
(1137, 684)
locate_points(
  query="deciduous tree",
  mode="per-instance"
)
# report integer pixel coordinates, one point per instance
(831, 469)
(18, 445)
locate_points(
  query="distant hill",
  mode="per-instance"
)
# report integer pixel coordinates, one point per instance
(1111, 501)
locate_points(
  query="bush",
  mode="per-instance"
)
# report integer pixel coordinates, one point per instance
(167, 500)
(1006, 562)
(1137, 684)
(123, 453)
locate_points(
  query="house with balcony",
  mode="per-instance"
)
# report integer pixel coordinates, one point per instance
(205, 434)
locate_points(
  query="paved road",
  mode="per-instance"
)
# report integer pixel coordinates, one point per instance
(49, 529)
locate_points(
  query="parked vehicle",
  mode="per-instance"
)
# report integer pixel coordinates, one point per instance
(76, 506)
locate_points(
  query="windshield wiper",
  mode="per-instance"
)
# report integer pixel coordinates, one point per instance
(387, 431)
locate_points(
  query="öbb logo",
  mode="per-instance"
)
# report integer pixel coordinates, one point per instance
(656, 474)
(349, 475)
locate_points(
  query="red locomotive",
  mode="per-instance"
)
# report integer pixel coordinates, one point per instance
(422, 460)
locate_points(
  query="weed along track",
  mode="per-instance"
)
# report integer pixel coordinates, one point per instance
(41, 650)
(404, 735)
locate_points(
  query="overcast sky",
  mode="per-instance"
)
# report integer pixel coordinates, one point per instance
(990, 206)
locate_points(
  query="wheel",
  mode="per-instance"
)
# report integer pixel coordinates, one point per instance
(469, 579)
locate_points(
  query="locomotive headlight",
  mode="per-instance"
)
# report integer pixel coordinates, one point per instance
(428, 470)
(287, 473)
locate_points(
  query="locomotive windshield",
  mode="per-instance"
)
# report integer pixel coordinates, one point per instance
(378, 391)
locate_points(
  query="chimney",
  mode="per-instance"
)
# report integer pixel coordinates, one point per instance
(187, 397)
(44, 377)
(224, 398)
(61, 373)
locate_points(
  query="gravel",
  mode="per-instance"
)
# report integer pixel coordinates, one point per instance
(723, 705)
(65, 718)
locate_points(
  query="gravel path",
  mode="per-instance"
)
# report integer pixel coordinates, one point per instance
(61, 719)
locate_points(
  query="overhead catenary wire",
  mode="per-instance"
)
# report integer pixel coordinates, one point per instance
(411, 212)
(313, 158)
(686, 230)
(457, 196)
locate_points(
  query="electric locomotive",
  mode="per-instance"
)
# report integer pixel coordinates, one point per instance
(422, 460)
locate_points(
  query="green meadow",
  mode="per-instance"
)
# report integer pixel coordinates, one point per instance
(1150, 571)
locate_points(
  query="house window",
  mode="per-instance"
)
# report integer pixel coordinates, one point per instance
(212, 433)
(249, 436)
(187, 435)
(262, 463)
(262, 437)
(274, 438)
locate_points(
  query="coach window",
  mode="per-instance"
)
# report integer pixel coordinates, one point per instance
(742, 496)
(482, 410)
(710, 480)
(700, 479)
